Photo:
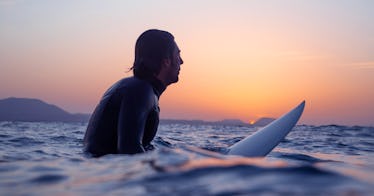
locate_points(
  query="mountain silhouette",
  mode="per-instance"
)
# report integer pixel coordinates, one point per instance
(34, 110)
(263, 122)
(25, 109)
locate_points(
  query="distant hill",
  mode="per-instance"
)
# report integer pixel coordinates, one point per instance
(234, 122)
(25, 109)
(263, 122)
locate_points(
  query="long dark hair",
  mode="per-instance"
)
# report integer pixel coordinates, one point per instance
(151, 48)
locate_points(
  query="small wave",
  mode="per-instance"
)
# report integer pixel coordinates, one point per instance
(222, 150)
(16, 157)
(161, 142)
(48, 179)
(245, 179)
(24, 141)
(8, 168)
(44, 169)
(302, 157)
(61, 138)
(4, 136)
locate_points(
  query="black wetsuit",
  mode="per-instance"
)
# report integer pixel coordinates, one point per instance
(126, 119)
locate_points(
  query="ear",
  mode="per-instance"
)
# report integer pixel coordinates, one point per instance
(166, 61)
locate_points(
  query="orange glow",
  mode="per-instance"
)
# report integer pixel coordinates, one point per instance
(243, 60)
(214, 162)
(213, 159)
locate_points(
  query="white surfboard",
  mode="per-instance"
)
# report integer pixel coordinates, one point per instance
(264, 140)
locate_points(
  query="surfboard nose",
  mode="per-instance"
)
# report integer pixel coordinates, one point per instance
(264, 140)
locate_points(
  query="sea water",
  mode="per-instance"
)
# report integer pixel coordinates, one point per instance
(47, 159)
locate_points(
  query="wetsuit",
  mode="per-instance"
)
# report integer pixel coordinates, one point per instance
(126, 119)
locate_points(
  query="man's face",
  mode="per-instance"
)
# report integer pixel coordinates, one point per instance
(174, 66)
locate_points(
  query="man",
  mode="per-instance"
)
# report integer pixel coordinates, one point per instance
(127, 117)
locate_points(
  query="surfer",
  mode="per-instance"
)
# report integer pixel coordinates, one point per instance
(126, 119)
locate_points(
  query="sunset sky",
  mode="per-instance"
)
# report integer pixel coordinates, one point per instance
(243, 59)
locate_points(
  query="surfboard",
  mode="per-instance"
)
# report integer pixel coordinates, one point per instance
(267, 138)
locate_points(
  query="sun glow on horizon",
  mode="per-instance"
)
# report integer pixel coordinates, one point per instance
(243, 59)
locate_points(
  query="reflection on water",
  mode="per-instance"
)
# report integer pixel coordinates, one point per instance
(47, 159)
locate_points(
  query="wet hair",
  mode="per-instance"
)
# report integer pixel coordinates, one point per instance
(151, 48)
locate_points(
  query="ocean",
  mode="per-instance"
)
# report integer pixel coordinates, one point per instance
(39, 158)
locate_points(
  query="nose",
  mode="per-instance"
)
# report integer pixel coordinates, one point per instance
(181, 60)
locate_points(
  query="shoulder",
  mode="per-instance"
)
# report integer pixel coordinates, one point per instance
(128, 87)
(134, 85)
(135, 91)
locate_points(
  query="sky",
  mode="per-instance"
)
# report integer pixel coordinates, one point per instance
(243, 59)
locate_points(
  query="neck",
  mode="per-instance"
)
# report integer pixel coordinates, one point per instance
(157, 84)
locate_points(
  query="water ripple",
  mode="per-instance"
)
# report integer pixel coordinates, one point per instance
(316, 160)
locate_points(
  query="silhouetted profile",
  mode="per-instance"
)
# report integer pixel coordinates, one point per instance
(126, 119)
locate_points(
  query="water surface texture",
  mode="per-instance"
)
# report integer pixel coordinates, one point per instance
(47, 159)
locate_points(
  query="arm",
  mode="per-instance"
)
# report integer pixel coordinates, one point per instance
(132, 118)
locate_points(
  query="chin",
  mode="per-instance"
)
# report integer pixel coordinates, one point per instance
(175, 80)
